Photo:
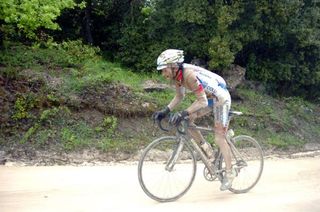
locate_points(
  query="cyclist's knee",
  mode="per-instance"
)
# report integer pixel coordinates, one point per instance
(219, 129)
(192, 118)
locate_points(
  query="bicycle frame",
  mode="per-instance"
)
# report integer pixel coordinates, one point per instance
(183, 139)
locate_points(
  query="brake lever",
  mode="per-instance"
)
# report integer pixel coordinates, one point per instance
(182, 124)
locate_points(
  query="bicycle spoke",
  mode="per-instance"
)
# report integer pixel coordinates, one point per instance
(249, 164)
(166, 169)
(247, 160)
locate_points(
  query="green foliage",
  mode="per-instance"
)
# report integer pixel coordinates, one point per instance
(281, 123)
(276, 41)
(47, 118)
(162, 98)
(299, 107)
(284, 141)
(108, 144)
(23, 105)
(57, 124)
(49, 113)
(282, 49)
(65, 55)
(20, 107)
(76, 52)
(69, 139)
(95, 73)
(29, 15)
(31, 131)
(169, 25)
(220, 52)
(110, 124)
(17, 55)
(43, 137)
(113, 145)
(76, 135)
(191, 11)
(224, 44)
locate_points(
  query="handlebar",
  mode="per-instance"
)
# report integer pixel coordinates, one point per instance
(181, 126)
(184, 123)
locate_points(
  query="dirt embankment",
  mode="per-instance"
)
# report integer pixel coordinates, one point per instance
(39, 124)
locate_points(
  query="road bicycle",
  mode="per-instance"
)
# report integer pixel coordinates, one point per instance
(168, 165)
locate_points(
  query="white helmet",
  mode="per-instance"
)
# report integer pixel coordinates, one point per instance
(169, 56)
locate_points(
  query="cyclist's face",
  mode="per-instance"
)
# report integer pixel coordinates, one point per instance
(167, 73)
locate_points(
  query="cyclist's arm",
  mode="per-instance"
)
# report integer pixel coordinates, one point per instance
(195, 86)
(180, 92)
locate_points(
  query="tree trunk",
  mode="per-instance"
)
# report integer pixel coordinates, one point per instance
(87, 23)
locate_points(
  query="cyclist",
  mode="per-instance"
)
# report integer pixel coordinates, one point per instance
(211, 95)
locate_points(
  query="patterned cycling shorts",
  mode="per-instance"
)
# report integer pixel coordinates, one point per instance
(220, 111)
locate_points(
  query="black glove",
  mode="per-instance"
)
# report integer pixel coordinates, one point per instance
(159, 115)
(178, 117)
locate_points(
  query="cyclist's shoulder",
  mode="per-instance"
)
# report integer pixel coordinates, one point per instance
(195, 68)
(202, 73)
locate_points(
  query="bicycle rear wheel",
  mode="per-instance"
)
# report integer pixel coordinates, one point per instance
(247, 160)
(166, 169)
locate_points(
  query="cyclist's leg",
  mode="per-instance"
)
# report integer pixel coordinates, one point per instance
(220, 132)
(196, 134)
(221, 113)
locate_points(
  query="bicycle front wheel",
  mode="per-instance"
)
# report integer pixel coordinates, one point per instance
(167, 169)
(247, 160)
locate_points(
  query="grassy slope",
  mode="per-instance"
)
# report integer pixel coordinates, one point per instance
(98, 104)
(280, 123)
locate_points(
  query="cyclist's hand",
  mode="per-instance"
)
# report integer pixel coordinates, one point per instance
(159, 115)
(178, 117)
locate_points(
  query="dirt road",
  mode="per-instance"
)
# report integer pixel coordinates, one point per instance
(286, 185)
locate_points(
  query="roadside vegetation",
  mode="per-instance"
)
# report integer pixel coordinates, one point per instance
(67, 98)
(73, 73)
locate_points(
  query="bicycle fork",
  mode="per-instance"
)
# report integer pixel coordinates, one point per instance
(174, 156)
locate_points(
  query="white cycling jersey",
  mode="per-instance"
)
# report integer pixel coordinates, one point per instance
(209, 88)
(211, 82)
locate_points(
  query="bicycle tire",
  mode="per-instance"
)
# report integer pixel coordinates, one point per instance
(252, 166)
(153, 177)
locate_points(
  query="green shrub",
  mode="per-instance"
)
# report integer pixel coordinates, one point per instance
(77, 135)
(77, 53)
(69, 139)
(22, 106)
(284, 141)
(64, 55)
(110, 124)
(31, 131)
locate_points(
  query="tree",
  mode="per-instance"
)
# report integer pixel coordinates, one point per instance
(98, 23)
(27, 16)
(282, 47)
(225, 43)
(278, 41)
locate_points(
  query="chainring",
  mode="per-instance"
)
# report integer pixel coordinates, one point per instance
(207, 175)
